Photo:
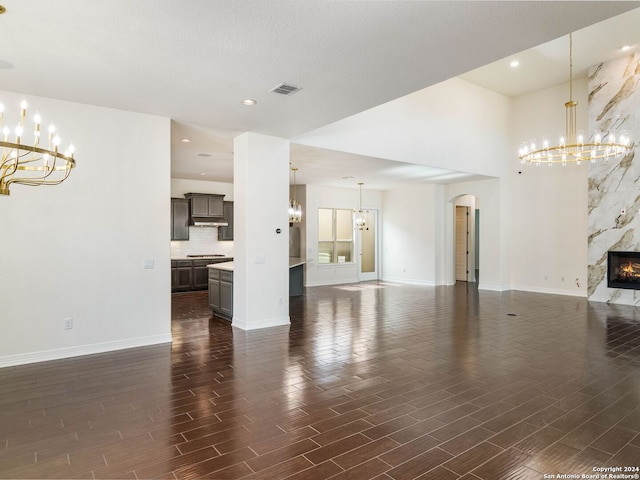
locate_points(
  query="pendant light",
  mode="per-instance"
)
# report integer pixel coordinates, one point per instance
(359, 216)
(295, 209)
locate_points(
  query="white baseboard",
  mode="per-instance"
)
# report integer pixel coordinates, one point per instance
(263, 323)
(77, 351)
(330, 282)
(552, 291)
(408, 281)
(493, 288)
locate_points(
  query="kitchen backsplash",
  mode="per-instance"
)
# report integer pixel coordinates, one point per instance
(202, 241)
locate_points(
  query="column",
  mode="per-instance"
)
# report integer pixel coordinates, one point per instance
(261, 231)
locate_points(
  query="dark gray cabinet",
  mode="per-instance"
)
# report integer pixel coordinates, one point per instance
(192, 274)
(206, 205)
(181, 275)
(179, 219)
(201, 274)
(226, 233)
(221, 293)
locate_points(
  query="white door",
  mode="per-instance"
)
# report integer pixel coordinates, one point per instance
(367, 244)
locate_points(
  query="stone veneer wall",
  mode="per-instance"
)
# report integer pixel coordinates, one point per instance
(614, 186)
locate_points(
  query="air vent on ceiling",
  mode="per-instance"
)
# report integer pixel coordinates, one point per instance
(284, 89)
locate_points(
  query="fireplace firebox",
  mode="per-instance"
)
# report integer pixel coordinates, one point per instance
(623, 270)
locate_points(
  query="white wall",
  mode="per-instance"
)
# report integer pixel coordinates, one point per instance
(326, 197)
(454, 125)
(409, 234)
(202, 240)
(548, 219)
(418, 233)
(77, 249)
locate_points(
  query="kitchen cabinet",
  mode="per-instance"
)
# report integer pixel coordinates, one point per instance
(206, 205)
(181, 275)
(192, 274)
(179, 219)
(200, 274)
(226, 233)
(221, 293)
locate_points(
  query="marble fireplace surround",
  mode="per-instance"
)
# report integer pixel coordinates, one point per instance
(614, 186)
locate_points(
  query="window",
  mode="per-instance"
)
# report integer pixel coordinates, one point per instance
(335, 235)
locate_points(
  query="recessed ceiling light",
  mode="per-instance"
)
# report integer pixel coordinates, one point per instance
(624, 48)
(204, 154)
(348, 178)
(202, 174)
(185, 140)
(249, 102)
(514, 63)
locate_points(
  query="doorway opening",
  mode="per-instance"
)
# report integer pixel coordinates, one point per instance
(466, 239)
(367, 241)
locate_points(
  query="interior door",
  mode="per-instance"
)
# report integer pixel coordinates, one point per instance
(367, 241)
(462, 244)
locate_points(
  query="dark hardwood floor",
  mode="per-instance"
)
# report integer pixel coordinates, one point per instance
(370, 381)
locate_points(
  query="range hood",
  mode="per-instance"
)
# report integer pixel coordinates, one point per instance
(209, 222)
(206, 210)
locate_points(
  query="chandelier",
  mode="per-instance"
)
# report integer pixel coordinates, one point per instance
(29, 163)
(295, 209)
(572, 148)
(361, 222)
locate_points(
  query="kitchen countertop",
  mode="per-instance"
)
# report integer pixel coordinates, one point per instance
(228, 266)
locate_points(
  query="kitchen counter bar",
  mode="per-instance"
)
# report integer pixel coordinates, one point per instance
(228, 266)
(296, 273)
(210, 258)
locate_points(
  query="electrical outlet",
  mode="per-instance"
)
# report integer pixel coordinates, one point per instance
(68, 323)
(148, 263)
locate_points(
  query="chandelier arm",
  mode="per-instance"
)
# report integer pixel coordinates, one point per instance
(34, 182)
(35, 149)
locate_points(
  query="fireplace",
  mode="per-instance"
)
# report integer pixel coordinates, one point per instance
(623, 270)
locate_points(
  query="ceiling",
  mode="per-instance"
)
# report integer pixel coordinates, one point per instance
(196, 61)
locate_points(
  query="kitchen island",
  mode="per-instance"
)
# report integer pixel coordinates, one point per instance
(221, 285)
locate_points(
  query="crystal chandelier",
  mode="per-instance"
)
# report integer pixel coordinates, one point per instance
(295, 209)
(572, 148)
(361, 222)
(29, 163)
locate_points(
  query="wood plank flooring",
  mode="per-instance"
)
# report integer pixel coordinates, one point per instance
(371, 381)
